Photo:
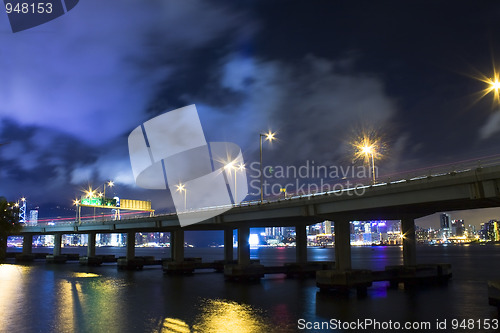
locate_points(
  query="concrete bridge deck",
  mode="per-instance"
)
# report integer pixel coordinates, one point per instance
(404, 199)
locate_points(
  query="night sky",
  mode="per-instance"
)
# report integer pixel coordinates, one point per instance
(317, 72)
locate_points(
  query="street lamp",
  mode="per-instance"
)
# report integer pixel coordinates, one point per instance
(368, 149)
(180, 188)
(269, 136)
(90, 193)
(239, 167)
(110, 184)
(76, 202)
(494, 85)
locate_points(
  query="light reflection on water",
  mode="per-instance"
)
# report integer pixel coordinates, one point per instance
(71, 298)
(221, 316)
(226, 316)
(11, 284)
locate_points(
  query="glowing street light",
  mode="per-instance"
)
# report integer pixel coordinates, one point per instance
(492, 85)
(108, 184)
(368, 149)
(76, 202)
(269, 136)
(180, 188)
(240, 167)
(90, 193)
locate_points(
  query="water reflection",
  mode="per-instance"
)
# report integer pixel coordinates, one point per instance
(226, 316)
(174, 325)
(221, 316)
(11, 284)
(86, 302)
(85, 275)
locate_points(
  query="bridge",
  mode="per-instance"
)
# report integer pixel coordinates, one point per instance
(404, 199)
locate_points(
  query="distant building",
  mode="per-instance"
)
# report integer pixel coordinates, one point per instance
(375, 232)
(328, 227)
(490, 231)
(33, 217)
(444, 223)
(493, 232)
(457, 228)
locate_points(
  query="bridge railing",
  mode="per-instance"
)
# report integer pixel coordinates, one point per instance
(349, 184)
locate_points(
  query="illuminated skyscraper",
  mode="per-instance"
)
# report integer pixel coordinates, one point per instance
(33, 217)
(445, 221)
(445, 225)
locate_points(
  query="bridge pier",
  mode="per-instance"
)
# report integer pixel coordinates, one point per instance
(91, 259)
(228, 245)
(27, 244)
(301, 244)
(243, 246)
(56, 256)
(409, 241)
(177, 237)
(130, 245)
(130, 262)
(179, 264)
(342, 244)
(27, 254)
(244, 270)
(91, 244)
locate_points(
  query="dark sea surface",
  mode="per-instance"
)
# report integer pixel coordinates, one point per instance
(41, 297)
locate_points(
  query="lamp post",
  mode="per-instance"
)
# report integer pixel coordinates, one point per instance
(180, 188)
(76, 202)
(269, 136)
(103, 193)
(368, 148)
(110, 184)
(240, 167)
(90, 193)
(369, 151)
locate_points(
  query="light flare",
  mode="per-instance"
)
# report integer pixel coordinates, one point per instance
(367, 145)
(492, 85)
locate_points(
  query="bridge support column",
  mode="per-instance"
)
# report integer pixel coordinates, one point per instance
(179, 264)
(244, 270)
(56, 256)
(130, 245)
(228, 245)
(91, 259)
(57, 244)
(342, 244)
(27, 244)
(130, 262)
(409, 242)
(243, 246)
(301, 244)
(91, 245)
(178, 246)
(27, 254)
